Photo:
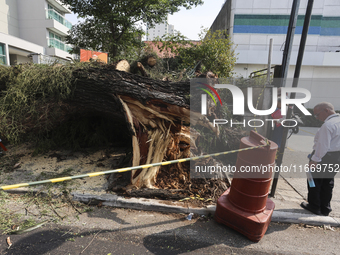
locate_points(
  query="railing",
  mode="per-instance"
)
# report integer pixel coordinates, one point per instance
(55, 43)
(52, 14)
(260, 73)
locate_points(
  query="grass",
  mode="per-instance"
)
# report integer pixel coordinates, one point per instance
(30, 209)
(8, 218)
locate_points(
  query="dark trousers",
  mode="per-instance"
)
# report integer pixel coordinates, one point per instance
(277, 135)
(320, 196)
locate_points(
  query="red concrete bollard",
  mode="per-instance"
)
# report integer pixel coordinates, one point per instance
(245, 206)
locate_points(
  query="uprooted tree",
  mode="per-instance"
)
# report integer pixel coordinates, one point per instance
(36, 99)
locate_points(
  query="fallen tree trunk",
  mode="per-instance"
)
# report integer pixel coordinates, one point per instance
(157, 114)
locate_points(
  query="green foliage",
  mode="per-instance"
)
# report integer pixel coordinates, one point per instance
(31, 98)
(30, 91)
(132, 52)
(31, 110)
(155, 72)
(8, 217)
(215, 51)
(170, 45)
(113, 25)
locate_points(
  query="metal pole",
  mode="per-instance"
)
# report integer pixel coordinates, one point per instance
(269, 59)
(285, 65)
(295, 84)
(289, 42)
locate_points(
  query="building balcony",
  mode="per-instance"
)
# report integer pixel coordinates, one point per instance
(55, 52)
(52, 14)
(60, 6)
(55, 43)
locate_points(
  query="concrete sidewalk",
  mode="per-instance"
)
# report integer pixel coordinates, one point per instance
(292, 188)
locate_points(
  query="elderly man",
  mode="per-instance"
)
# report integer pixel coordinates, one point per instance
(325, 160)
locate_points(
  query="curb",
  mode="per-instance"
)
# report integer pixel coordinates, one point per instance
(175, 207)
(310, 219)
(142, 204)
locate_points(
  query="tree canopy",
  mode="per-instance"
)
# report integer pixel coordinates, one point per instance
(115, 25)
(214, 52)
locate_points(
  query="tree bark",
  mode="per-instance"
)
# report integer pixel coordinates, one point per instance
(155, 112)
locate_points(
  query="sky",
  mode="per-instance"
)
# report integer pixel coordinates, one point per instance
(187, 22)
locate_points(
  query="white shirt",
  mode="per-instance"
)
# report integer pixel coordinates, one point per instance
(327, 138)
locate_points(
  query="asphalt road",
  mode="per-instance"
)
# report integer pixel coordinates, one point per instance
(117, 231)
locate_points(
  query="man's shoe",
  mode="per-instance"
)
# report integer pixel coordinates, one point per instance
(326, 212)
(309, 208)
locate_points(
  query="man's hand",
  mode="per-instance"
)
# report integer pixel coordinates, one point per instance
(312, 164)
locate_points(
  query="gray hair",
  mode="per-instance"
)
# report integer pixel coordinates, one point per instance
(324, 105)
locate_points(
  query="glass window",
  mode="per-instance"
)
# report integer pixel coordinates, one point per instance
(52, 35)
(2, 54)
(58, 42)
(50, 7)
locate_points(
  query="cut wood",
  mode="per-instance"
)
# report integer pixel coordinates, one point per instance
(151, 61)
(123, 65)
(142, 69)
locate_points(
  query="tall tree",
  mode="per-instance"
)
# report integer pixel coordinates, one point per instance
(114, 25)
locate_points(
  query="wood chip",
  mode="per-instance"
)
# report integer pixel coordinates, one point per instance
(9, 243)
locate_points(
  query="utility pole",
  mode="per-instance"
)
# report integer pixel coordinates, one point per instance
(284, 71)
(269, 59)
(295, 84)
(289, 42)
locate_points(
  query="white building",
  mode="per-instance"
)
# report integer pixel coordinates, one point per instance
(158, 30)
(252, 23)
(33, 31)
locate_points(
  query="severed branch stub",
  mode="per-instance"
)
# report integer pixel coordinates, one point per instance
(142, 69)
